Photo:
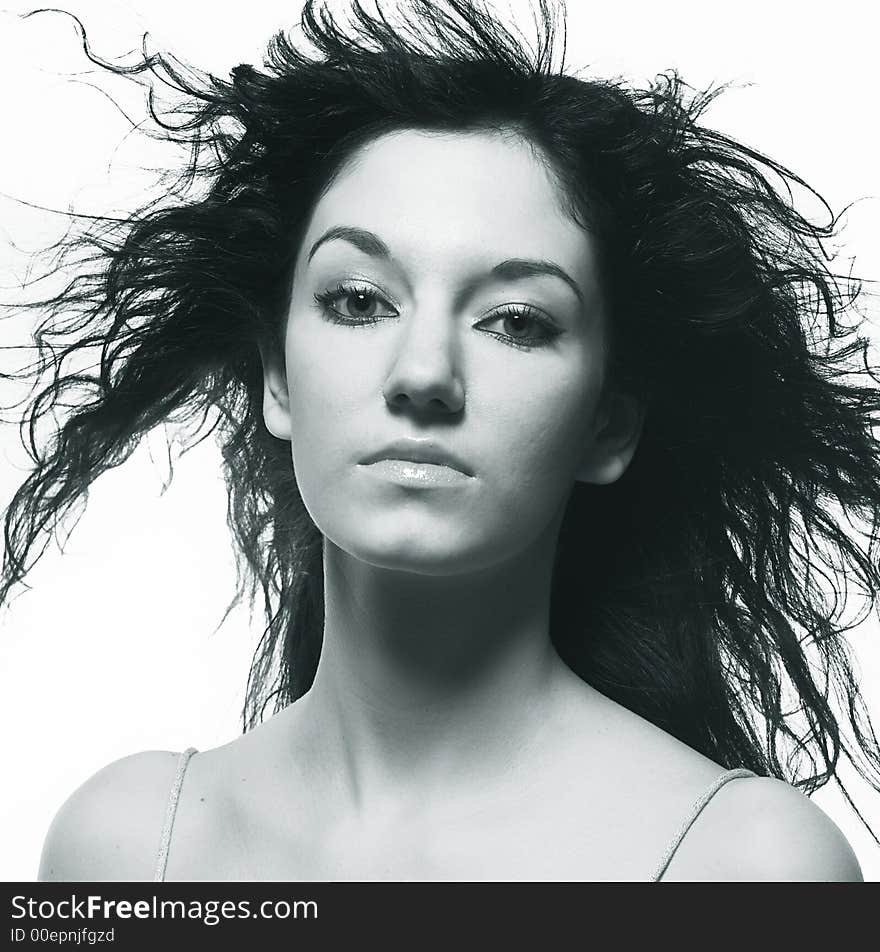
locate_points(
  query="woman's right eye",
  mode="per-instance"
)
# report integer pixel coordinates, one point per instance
(354, 304)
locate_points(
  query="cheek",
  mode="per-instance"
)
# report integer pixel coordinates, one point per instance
(328, 377)
(320, 403)
(543, 431)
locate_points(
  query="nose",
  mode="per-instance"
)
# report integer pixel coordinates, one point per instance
(424, 373)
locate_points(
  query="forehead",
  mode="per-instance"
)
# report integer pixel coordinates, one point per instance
(449, 196)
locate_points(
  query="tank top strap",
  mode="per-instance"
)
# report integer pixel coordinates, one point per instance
(695, 811)
(173, 796)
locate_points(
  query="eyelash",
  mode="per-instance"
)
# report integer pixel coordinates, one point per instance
(324, 300)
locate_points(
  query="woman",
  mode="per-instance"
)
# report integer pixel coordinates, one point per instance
(535, 412)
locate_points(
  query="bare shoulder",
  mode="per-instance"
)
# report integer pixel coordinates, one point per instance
(110, 827)
(759, 829)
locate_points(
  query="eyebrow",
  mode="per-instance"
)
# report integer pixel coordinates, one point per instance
(510, 269)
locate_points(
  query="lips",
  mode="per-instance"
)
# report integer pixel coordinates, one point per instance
(420, 451)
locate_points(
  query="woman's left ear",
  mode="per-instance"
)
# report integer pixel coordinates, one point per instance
(615, 437)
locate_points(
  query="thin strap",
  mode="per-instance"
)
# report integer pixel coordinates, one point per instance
(173, 797)
(696, 810)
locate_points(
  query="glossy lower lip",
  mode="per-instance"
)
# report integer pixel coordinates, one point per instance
(409, 473)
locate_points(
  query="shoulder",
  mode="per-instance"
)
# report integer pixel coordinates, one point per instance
(759, 829)
(110, 827)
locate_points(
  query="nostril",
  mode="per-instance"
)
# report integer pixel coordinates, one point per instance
(430, 403)
(445, 398)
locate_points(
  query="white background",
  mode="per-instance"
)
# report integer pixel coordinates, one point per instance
(114, 649)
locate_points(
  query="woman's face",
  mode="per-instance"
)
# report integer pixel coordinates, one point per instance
(445, 322)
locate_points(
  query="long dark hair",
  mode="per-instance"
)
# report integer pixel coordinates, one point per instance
(705, 589)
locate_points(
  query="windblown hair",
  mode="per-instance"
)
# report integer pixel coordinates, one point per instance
(707, 589)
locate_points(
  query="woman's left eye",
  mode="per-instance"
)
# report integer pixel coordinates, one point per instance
(524, 326)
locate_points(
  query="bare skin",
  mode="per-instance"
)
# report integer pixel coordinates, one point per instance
(612, 800)
(443, 738)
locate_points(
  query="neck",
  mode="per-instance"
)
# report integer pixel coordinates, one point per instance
(425, 682)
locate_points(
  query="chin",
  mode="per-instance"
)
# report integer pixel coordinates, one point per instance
(423, 554)
(416, 559)
(422, 543)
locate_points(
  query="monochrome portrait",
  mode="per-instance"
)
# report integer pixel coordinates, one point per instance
(439, 443)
